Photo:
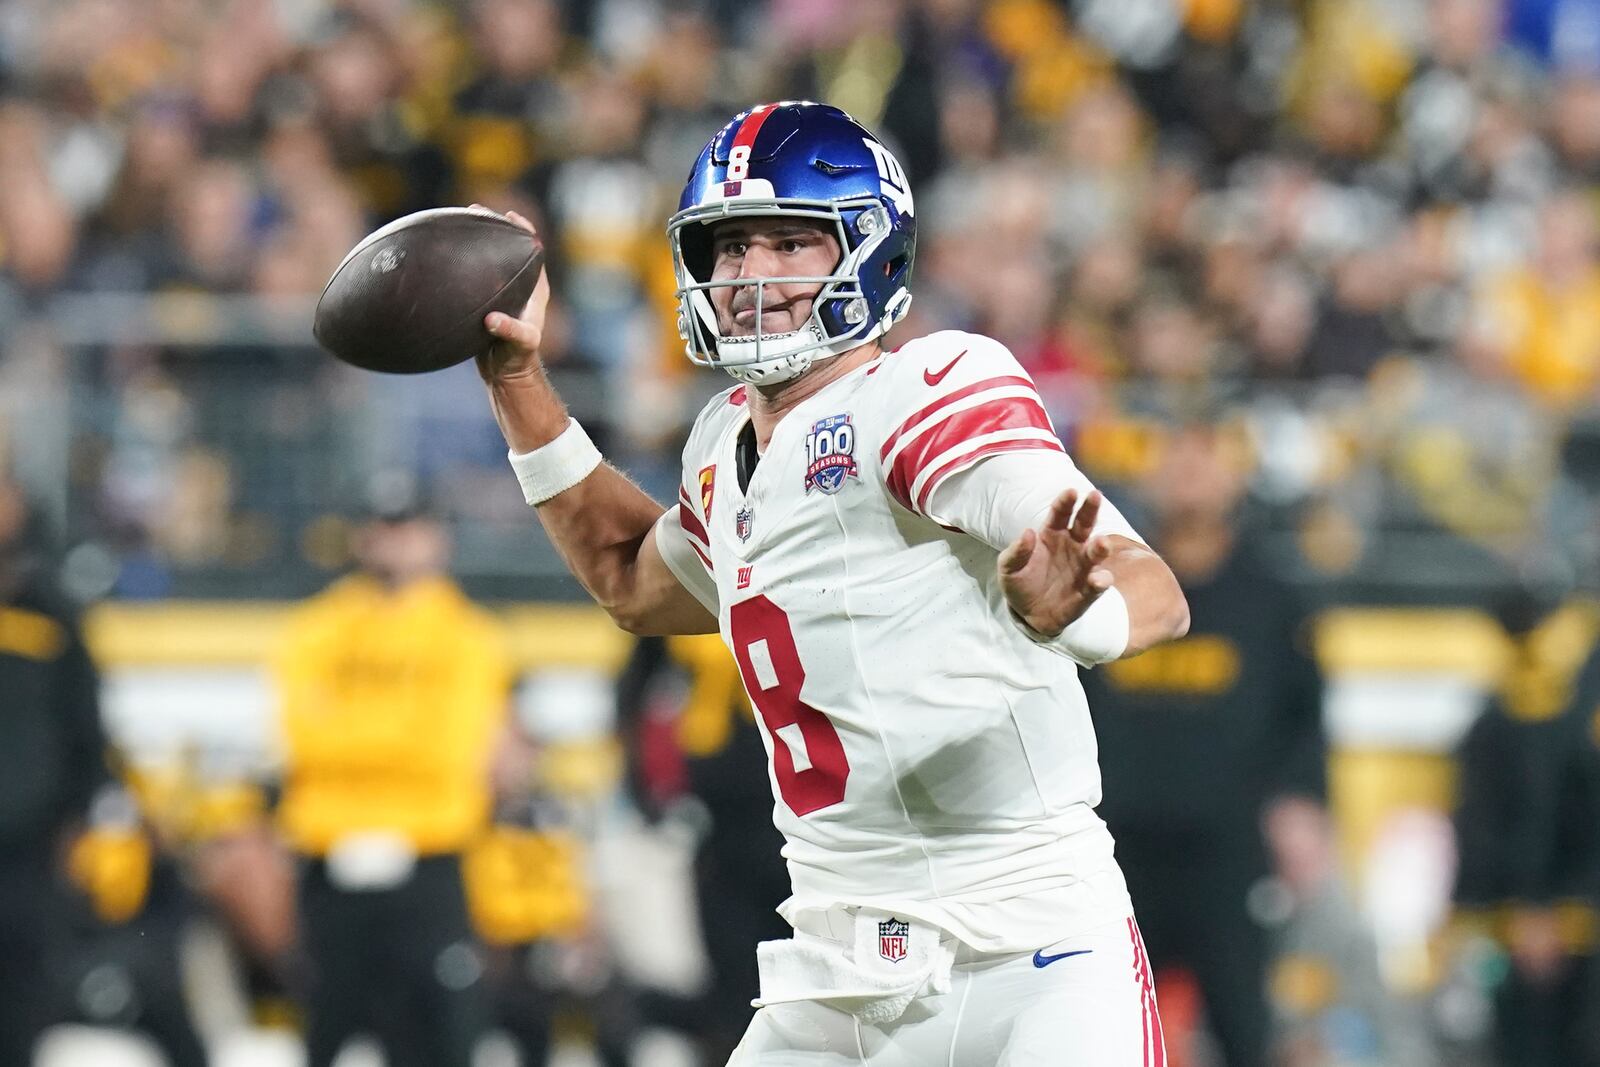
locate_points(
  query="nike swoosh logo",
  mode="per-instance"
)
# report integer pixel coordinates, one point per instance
(935, 379)
(1041, 960)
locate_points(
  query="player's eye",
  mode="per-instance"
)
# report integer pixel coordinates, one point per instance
(733, 248)
(791, 245)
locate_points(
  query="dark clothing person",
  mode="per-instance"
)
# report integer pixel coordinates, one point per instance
(129, 974)
(1527, 814)
(399, 963)
(1196, 738)
(52, 762)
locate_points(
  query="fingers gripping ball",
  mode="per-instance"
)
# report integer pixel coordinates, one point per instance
(412, 296)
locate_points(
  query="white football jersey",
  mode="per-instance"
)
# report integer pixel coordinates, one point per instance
(926, 755)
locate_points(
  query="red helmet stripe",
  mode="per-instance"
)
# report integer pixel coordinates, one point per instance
(751, 126)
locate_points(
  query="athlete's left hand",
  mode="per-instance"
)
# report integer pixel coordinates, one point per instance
(1052, 575)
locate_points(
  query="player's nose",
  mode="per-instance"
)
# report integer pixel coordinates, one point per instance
(758, 261)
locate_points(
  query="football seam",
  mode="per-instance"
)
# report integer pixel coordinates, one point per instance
(390, 228)
(393, 226)
(535, 261)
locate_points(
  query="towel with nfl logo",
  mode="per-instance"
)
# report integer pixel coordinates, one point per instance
(875, 975)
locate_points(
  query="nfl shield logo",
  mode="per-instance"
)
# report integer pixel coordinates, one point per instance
(892, 935)
(742, 520)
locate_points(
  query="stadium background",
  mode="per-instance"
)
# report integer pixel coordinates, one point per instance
(1361, 233)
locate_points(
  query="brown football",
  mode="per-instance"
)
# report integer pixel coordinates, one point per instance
(411, 296)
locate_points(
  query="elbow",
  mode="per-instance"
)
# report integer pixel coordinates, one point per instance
(629, 619)
(1178, 617)
(643, 621)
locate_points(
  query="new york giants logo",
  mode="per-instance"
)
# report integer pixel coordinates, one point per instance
(891, 178)
(892, 937)
(830, 454)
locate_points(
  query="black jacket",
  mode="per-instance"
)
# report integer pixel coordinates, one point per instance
(1528, 806)
(1195, 735)
(52, 748)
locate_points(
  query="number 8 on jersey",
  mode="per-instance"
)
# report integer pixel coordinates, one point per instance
(808, 758)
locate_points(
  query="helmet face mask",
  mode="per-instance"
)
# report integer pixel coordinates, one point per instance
(760, 356)
(842, 184)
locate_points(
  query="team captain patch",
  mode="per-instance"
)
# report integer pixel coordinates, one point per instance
(830, 454)
(708, 485)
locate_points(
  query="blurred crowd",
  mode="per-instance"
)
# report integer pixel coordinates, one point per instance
(440, 849)
(1368, 230)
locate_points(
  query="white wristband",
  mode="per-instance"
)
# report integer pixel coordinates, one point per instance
(555, 467)
(1099, 635)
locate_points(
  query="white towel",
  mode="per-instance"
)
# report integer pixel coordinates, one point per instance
(872, 979)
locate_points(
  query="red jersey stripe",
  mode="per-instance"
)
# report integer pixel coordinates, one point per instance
(1004, 413)
(993, 448)
(944, 401)
(703, 557)
(1144, 1001)
(691, 524)
(1155, 1044)
(1158, 1038)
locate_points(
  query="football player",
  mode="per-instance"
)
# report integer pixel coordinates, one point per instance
(909, 571)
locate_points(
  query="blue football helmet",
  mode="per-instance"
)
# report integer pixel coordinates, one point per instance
(805, 160)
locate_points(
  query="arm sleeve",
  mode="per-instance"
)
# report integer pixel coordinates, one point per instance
(78, 703)
(638, 678)
(1481, 810)
(680, 537)
(1539, 763)
(997, 497)
(1301, 768)
(958, 399)
(1543, 757)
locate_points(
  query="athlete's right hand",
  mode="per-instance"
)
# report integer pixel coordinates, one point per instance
(515, 353)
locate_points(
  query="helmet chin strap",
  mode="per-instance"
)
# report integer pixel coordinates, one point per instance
(783, 356)
(796, 352)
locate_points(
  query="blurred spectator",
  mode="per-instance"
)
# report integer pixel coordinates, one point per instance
(53, 754)
(699, 748)
(126, 969)
(37, 229)
(1544, 320)
(530, 903)
(1575, 126)
(1526, 824)
(211, 212)
(1330, 1005)
(1203, 739)
(394, 690)
(1189, 204)
(1355, 327)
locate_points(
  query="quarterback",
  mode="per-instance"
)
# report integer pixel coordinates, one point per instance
(909, 571)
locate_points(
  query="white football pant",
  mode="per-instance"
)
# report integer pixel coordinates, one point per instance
(1088, 1001)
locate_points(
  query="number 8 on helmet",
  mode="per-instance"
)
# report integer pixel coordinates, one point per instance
(803, 160)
